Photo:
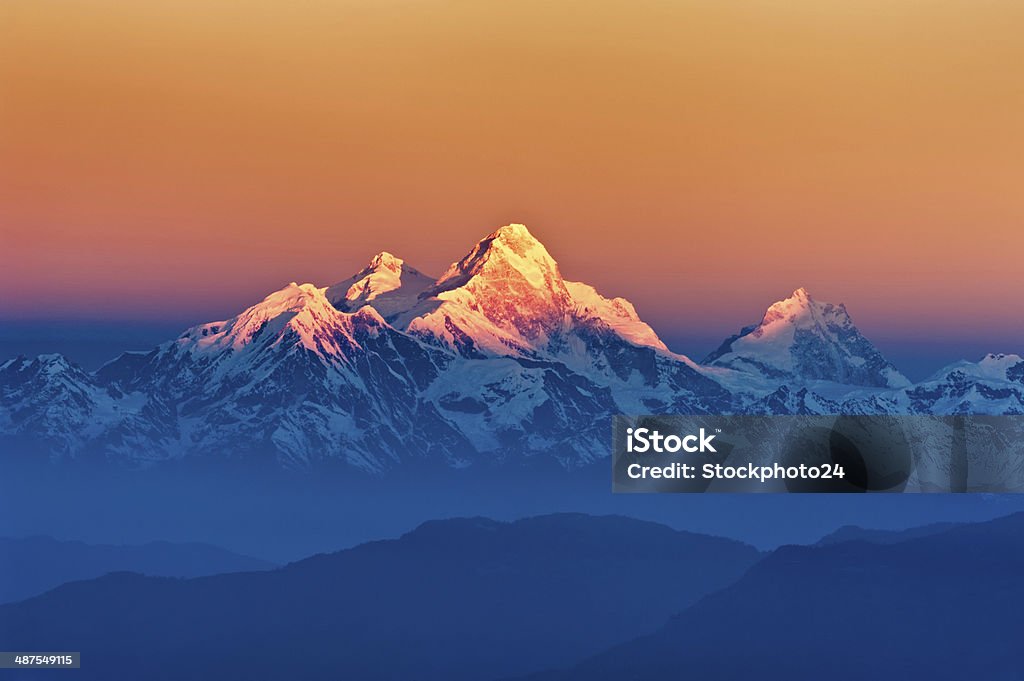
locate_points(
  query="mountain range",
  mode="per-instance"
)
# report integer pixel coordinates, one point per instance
(559, 598)
(939, 605)
(453, 600)
(32, 565)
(499, 361)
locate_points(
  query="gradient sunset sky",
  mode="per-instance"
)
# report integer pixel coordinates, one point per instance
(182, 159)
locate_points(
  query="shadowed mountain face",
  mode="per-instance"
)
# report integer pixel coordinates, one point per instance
(456, 599)
(33, 565)
(944, 606)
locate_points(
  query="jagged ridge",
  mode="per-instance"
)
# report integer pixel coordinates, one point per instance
(498, 361)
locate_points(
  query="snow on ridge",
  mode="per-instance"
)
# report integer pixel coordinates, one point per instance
(503, 356)
(799, 337)
(505, 297)
(991, 367)
(508, 252)
(617, 313)
(387, 283)
(300, 308)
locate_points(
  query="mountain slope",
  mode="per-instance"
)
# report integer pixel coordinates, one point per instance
(505, 297)
(456, 599)
(49, 405)
(388, 284)
(295, 379)
(800, 338)
(32, 565)
(617, 313)
(854, 533)
(943, 606)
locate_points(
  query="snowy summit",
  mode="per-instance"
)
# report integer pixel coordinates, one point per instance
(801, 338)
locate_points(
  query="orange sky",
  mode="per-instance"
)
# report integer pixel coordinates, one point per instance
(701, 158)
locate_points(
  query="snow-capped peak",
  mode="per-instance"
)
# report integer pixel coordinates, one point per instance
(302, 309)
(506, 296)
(805, 312)
(384, 261)
(991, 367)
(1000, 360)
(51, 366)
(387, 283)
(799, 337)
(509, 252)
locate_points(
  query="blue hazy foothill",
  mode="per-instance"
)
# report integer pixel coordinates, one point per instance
(457, 599)
(31, 565)
(940, 606)
(563, 597)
